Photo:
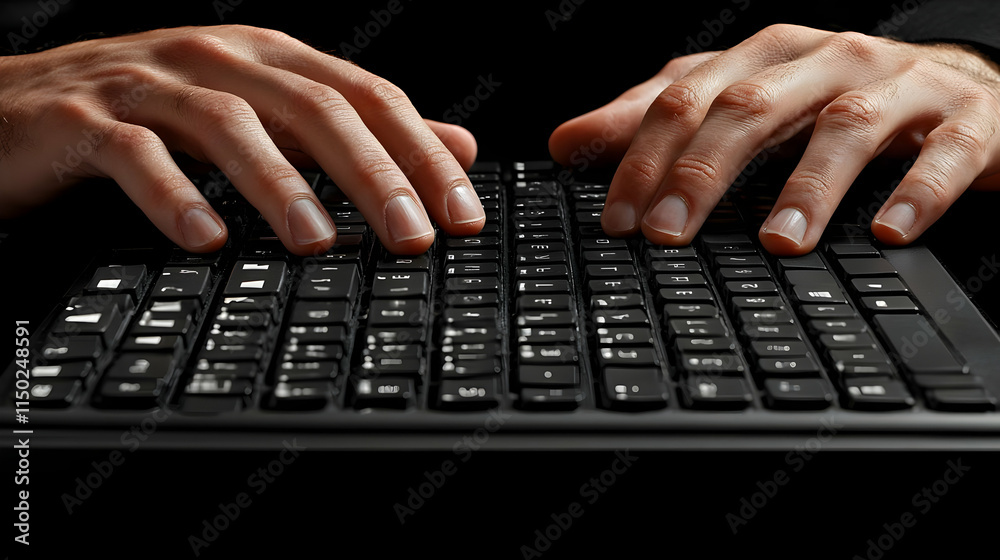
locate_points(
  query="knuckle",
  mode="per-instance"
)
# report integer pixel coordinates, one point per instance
(72, 111)
(375, 167)
(640, 169)
(780, 32)
(195, 46)
(775, 41)
(815, 185)
(854, 112)
(436, 155)
(213, 109)
(753, 100)
(262, 34)
(679, 101)
(318, 100)
(697, 169)
(935, 186)
(123, 140)
(277, 175)
(854, 46)
(964, 137)
(381, 95)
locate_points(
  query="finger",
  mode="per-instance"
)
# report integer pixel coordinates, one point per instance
(325, 125)
(313, 118)
(224, 130)
(140, 163)
(459, 141)
(616, 123)
(746, 118)
(850, 131)
(954, 154)
(433, 171)
(671, 121)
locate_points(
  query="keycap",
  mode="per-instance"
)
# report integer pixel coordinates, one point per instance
(634, 389)
(877, 393)
(798, 394)
(534, 398)
(256, 278)
(384, 392)
(716, 393)
(54, 393)
(183, 282)
(916, 342)
(472, 394)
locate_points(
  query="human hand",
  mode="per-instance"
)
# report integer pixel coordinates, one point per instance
(255, 103)
(686, 134)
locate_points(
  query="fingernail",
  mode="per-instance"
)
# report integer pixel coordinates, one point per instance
(307, 223)
(406, 220)
(900, 217)
(464, 206)
(199, 228)
(788, 223)
(669, 216)
(619, 217)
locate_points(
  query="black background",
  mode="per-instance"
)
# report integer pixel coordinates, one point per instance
(668, 504)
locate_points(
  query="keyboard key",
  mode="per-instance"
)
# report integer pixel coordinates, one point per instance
(633, 389)
(183, 282)
(877, 393)
(535, 398)
(54, 393)
(256, 278)
(716, 393)
(300, 395)
(914, 340)
(971, 399)
(798, 394)
(548, 376)
(384, 392)
(472, 394)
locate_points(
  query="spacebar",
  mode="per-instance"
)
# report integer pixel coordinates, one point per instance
(914, 341)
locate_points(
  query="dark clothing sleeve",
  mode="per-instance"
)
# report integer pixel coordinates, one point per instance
(971, 22)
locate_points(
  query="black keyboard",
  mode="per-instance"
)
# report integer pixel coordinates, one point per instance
(540, 330)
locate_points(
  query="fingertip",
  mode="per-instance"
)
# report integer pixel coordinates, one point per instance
(314, 249)
(201, 230)
(410, 246)
(786, 233)
(466, 215)
(782, 246)
(570, 136)
(894, 224)
(619, 219)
